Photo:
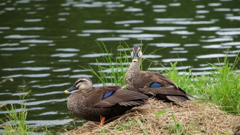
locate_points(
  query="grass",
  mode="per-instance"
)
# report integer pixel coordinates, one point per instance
(15, 122)
(176, 127)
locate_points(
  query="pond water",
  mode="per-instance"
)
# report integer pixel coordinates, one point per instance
(43, 42)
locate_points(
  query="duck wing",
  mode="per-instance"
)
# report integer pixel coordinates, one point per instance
(153, 83)
(108, 96)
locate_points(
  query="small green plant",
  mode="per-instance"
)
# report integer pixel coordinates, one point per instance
(176, 127)
(15, 122)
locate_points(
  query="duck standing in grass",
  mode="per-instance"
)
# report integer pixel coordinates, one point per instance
(102, 103)
(152, 83)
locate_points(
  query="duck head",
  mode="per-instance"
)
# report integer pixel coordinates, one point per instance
(83, 83)
(136, 54)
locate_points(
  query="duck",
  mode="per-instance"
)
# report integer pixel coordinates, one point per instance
(151, 83)
(102, 103)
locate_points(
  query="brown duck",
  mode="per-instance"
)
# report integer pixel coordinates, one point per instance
(152, 83)
(102, 103)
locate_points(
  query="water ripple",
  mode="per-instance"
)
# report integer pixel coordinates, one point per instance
(36, 41)
(83, 35)
(230, 29)
(215, 46)
(214, 4)
(68, 49)
(165, 44)
(151, 56)
(174, 59)
(172, 19)
(48, 122)
(195, 22)
(64, 55)
(202, 11)
(233, 18)
(4, 28)
(61, 70)
(32, 20)
(112, 70)
(107, 64)
(222, 9)
(182, 32)
(80, 75)
(88, 5)
(21, 36)
(159, 10)
(218, 39)
(142, 35)
(27, 68)
(93, 21)
(47, 86)
(9, 44)
(96, 55)
(159, 6)
(178, 51)
(129, 21)
(45, 101)
(111, 31)
(29, 28)
(214, 28)
(26, 62)
(14, 49)
(203, 69)
(174, 4)
(128, 31)
(131, 9)
(214, 56)
(229, 33)
(112, 39)
(168, 68)
(231, 43)
(164, 28)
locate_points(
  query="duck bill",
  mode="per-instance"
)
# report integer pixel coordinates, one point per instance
(71, 89)
(135, 57)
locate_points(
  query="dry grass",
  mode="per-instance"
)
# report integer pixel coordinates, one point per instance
(194, 116)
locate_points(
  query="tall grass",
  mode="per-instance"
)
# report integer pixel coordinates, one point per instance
(221, 87)
(114, 69)
(15, 122)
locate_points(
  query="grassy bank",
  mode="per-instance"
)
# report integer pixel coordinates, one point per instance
(215, 109)
(221, 87)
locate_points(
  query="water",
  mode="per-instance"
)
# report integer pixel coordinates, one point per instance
(43, 42)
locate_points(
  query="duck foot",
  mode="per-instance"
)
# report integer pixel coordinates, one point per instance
(102, 122)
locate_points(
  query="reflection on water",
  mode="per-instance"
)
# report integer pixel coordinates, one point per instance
(47, 43)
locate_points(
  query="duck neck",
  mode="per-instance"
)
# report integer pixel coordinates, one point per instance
(134, 69)
(135, 66)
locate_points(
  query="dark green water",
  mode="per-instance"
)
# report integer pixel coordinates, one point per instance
(44, 41)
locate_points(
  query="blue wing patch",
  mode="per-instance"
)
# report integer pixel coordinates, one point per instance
(155, 84)
(108, 94)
